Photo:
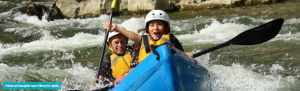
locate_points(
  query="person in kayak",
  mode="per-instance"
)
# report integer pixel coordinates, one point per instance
(158, 29)
(117, 63)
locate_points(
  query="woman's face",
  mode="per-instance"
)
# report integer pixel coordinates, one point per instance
(156, 29)
(118, 44)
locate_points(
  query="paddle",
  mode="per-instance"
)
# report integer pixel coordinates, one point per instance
(252, 36)
(113, 5)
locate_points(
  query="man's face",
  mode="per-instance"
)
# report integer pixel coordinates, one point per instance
(118, 44)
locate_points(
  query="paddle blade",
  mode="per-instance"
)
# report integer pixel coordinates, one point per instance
(258, 34)
(252, 36)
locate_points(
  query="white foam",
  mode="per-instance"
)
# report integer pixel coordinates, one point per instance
(1, 50)
(133, 24)
(82, 77)
(77, 41)
(238, 78)
(287, 37)
(216, 32)
(276, 68)
(292, 21)
(30, 19)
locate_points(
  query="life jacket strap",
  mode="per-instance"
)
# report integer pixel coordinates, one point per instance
(168, 41)
(114, 60)
(146, 43)
(155, 52)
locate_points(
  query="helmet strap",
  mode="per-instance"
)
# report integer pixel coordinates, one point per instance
(110, 48)
(167, 29)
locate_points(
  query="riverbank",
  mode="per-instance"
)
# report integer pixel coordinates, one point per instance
(286, 10)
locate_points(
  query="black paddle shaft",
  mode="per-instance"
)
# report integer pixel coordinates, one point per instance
(252, 36)
(104, 45)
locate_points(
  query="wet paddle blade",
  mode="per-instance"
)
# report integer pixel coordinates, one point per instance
(252, 36)
(258, 34)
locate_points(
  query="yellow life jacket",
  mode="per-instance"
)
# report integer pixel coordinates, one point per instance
(145, 50)
(120, 64)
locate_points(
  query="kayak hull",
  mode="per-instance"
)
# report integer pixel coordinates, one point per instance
(169, 70)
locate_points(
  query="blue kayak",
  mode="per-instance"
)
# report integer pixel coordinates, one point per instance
(168, 70)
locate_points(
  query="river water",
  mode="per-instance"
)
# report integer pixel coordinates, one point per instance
(68, 50)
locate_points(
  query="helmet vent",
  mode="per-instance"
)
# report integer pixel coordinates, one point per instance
(157, 15)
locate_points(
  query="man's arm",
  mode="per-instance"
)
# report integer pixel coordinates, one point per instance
(105, 70)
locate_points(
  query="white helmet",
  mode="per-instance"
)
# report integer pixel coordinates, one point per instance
(157, 15)
(113, 34)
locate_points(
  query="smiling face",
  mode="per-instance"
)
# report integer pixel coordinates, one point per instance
(156, 29)
(118, 44)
